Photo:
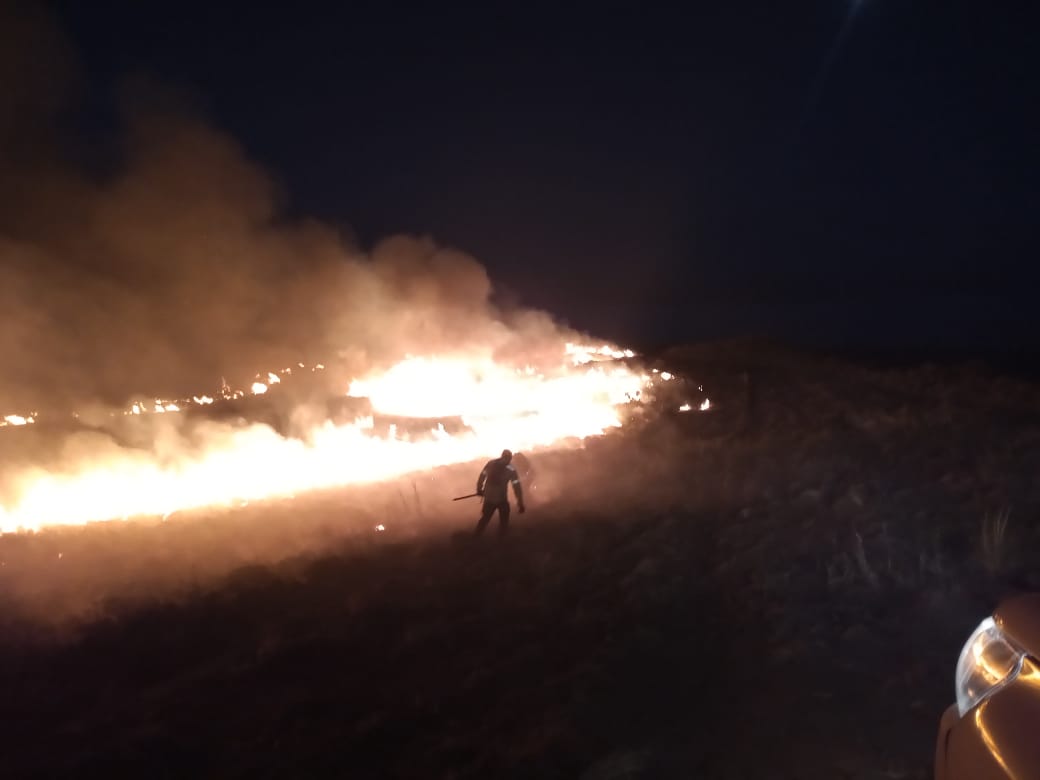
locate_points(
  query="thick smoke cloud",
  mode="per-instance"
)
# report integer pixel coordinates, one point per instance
(175, 267)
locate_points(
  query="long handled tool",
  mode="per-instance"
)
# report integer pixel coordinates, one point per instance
(471, 495)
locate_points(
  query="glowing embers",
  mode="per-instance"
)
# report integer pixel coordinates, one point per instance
(261, 385)
(705, 406)
(581, 354)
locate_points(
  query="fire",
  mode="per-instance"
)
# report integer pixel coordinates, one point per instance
(580, 355)
(17, 419)
(575, 396)
(483, 390)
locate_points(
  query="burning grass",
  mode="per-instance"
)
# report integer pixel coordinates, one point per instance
(184, 465)
(795, 573)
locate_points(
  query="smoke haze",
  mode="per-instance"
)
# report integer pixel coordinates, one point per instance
(175, 267)
(153, 267)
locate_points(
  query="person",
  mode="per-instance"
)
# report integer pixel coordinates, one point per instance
(528, 478)
(493, 487)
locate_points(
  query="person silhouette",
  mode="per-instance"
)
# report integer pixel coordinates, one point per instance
(493, 487)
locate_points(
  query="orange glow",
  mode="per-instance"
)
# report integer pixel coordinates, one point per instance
(580, 354)
(501, 405)
(17, 419)
(987, 738)
(481, 389)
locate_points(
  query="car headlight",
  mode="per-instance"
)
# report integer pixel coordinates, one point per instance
(988, 662)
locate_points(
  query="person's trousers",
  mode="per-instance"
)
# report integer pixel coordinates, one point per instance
(489, 510)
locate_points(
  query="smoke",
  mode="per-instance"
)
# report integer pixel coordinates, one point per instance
(155, 269)
(175, 265)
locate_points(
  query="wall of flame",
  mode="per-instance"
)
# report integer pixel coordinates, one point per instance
(501, 405)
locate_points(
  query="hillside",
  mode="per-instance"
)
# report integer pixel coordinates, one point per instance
(776, 588)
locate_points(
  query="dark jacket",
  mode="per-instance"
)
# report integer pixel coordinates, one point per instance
(494, 480)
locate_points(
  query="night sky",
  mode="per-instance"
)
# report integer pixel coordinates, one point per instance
(853, 174)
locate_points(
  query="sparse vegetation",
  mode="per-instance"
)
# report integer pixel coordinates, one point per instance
(993, 546)
(864, 566)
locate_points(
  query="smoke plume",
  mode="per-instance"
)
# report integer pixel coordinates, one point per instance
(175, 266)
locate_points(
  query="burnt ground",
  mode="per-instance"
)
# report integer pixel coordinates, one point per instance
(778, 589)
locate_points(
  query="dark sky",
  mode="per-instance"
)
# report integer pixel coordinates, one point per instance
(832, 172)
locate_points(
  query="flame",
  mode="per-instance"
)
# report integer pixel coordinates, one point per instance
(17, 419)
(581, 354)
(522, 407)
(160, 406)
(482, 390)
